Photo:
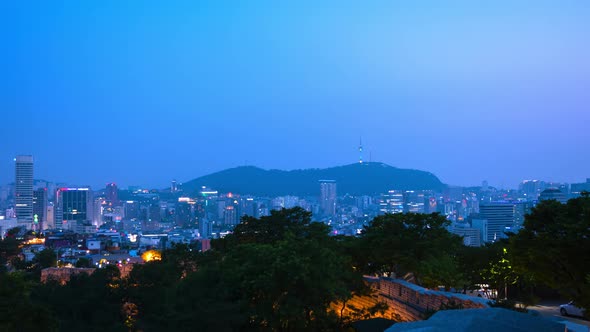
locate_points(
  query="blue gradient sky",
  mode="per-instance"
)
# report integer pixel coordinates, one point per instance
(140, 92)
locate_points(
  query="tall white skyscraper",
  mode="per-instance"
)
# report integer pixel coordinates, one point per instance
(23, 191)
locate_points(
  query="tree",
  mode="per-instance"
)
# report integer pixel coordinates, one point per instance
(45, 258)
(83, 262)
(75, 304)
(554, 247)
(17, 311)
(9, 247)
(280, 272)
(403, 243)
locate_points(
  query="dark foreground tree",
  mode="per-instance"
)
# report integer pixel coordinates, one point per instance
(411, 243)
(554, 247)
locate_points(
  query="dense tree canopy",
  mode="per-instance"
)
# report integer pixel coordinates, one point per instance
(554, 247)
(410, 243)
(284, 272)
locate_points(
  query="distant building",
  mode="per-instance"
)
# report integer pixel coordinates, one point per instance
(578, 188)
(112, 194)
(49, 217)
(24, 189)
(75, 207)
(553, 194)
(391, 202)
(531, 188)
(471, 236)
(328, 196)
(482, 227)
(132, 210)
(205, 228)
(500, 218)
(40, 207)
(414, 201)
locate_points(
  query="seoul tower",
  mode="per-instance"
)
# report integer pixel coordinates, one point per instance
(361, 150)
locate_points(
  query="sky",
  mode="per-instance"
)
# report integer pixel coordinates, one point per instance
(143, 92)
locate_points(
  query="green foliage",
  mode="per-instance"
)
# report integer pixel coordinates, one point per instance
(45, 258)
(283, 272)
(17, 311)
(85, 303)
(554, 247)
(401, 243)
(441, 271)
(9, 247)
(83, 262)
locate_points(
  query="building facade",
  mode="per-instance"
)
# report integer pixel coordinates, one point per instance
(24, 189)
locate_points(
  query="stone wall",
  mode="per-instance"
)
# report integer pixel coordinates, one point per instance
(406, 301)
(63, 274)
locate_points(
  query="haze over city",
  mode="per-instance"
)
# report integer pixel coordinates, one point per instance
(140, 93)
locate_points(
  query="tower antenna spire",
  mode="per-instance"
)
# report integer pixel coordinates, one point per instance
(360, 150)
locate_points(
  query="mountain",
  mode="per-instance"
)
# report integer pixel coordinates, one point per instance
(354, 179)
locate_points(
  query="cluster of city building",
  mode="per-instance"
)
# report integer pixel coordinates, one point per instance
(117, 220)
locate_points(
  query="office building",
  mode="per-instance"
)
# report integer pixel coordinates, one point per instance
(39, 207)
(391, 202)
(328, 196)
(414, 201)
(579, 188)
(24, 189)
(482, 227)
(471, 236)
(112, 195)
(553, 194)
(501, 218)
(75, 208)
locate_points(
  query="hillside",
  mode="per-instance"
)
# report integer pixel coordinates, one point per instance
(356, 179)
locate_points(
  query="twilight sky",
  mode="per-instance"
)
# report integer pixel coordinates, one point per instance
(140, 92)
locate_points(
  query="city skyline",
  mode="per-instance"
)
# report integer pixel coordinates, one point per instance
(175, 181)
(143, 94)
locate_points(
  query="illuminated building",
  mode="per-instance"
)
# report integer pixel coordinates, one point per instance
(414, 201)
(391, 202)
(40, 207)
(501, 218)
(75, 207)
(328, 197)
(24, 189)
(112, 194)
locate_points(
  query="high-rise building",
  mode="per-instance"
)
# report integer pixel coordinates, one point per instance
(112, 194)
(49, 217)
(414, 201)
(40, 207)
(75, 207)
(132, 210)
(501, 218)
(328, 195)
(578, 188)
(482, 226)
(553, 194)
(391, 202)
(24, 189)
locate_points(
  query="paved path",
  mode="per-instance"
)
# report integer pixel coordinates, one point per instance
(551, 310)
